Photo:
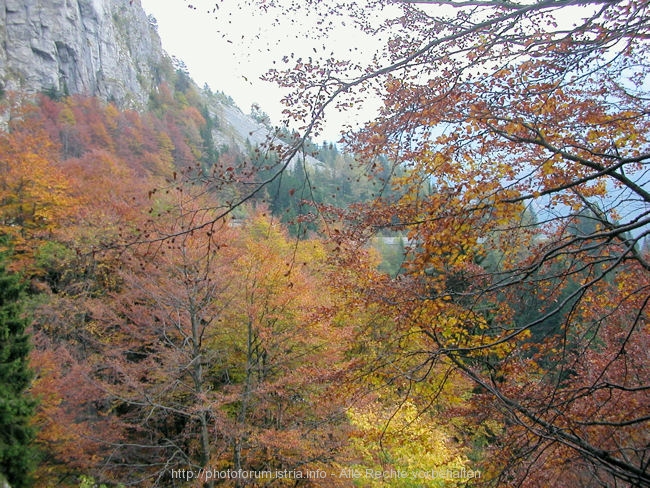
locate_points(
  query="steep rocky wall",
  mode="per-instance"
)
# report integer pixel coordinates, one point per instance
(105, 48)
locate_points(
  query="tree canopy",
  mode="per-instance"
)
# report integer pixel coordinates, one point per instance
(17, 454)
(522, 128)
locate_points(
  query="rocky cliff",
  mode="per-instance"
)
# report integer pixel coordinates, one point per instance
(104, 48)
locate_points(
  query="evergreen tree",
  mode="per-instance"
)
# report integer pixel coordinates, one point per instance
(16, 408)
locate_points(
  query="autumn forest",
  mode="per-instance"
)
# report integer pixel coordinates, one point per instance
(455, 294)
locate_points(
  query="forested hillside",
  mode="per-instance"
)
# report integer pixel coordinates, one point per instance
(167, 329)
(455, 295)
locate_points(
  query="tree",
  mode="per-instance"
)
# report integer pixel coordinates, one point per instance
(493, 108)
(17, 453)
(403, 441)
(288, 406)
(212, 353)
(34, 194)
(156, 365)
(74, 428)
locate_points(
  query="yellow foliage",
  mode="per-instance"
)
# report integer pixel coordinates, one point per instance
(404, 447)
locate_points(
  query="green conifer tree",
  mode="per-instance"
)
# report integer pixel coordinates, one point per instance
(17, 454)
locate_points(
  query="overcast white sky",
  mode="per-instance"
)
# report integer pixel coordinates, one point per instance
(229, 48)
(234, 65)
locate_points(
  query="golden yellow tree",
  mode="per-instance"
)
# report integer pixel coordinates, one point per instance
(34, 193)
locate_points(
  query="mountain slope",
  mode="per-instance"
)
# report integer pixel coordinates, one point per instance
(104, 48)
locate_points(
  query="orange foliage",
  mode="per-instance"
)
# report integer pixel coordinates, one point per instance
(521, 142)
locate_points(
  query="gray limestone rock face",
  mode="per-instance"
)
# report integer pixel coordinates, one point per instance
(104, 48)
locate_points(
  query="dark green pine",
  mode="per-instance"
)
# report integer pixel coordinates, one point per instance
(17, 454)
